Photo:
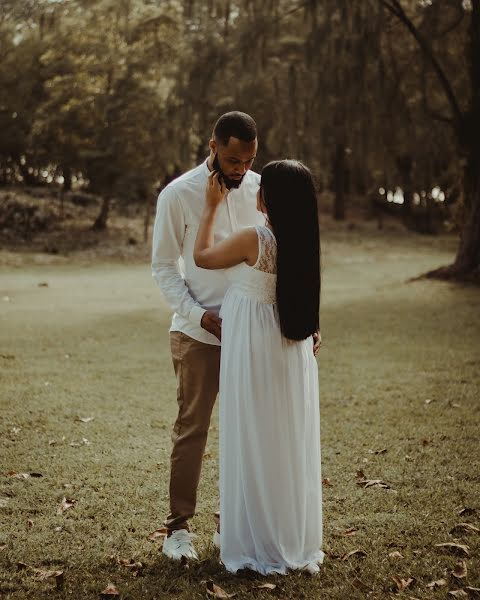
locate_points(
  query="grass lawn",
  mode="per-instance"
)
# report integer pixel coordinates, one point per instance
(400, 393)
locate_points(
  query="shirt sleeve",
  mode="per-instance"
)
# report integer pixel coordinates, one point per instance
(167, 247)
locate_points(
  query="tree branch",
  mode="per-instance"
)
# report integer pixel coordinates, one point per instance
(396, 9)
(425, 105)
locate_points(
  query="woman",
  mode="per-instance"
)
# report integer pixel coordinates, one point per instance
(270, 474)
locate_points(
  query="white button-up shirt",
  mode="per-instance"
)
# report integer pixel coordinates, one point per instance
(188, 289)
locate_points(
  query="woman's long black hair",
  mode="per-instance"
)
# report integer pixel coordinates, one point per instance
(289, 195)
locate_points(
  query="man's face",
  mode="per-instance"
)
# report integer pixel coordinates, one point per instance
(234, 159)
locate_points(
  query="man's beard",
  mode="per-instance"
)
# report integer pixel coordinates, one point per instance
(229, 182)
(232, 183)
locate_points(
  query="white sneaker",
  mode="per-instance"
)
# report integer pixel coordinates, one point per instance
(216, 539)
(179, 545)
(312, 568)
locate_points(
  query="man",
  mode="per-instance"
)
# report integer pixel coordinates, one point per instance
(195, 295)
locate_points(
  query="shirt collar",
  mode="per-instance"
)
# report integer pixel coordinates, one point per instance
(206, 170)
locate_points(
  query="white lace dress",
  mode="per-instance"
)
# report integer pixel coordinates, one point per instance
(270, 474)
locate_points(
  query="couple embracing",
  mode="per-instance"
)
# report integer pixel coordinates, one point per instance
(236, 256)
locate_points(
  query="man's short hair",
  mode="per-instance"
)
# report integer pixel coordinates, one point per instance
(235, 124)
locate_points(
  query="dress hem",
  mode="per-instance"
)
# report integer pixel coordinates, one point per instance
(262, 569)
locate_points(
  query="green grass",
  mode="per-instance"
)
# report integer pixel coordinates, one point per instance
(94, 343)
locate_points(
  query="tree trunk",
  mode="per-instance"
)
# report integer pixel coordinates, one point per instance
(404, 165)
(339, 181)
(67, 179)
(468, 254)
(467, 260)
(101, 221)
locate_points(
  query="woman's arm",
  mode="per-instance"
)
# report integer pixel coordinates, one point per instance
(239, 247)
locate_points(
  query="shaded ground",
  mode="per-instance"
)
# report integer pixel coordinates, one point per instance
(399, 401)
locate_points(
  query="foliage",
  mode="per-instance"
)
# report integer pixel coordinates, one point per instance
(370, 94)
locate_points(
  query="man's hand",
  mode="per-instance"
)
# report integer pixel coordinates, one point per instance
(317, 342)
(212, 323)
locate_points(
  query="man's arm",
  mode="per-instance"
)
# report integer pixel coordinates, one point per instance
(168, 234)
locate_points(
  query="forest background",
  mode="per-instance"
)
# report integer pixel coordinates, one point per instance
(381, 98)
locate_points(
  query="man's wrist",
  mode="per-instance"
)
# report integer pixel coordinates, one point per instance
(196, 315)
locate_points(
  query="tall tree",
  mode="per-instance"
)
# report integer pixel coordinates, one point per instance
(464, 121)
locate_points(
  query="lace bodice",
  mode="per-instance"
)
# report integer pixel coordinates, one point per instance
(267, 250)
(258, 281)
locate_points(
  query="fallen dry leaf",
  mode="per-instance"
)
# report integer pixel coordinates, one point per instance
(348, 532)
(266, 586)
(129, 563)
(326, 482)
(158, 533)
(358, 553)
(29, 523)
(460, 548)
(464, 528)
(360, 474)
(437, 583)
(396, 555)
(110, 590)
(43, 284)
(3, 546)
(23, 475)
(402, 584)
(366, 483)
(83, 442)
(84, 419)
(458, 593)
(216, 591)
(460, 570)
(382, 451)
(42, 574)
(473, 591)
(66, 503)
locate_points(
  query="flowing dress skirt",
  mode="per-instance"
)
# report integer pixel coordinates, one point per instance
(270, 465)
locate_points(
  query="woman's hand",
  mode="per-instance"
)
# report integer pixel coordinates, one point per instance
(215, 192)
(317, 342)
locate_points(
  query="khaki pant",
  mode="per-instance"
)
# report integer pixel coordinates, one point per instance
(197, 367)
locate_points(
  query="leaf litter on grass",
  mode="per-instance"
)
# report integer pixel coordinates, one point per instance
(43, 574)
(65, 505)
(454, 547)
(464, 528)
(216, 591)
(110, 590)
